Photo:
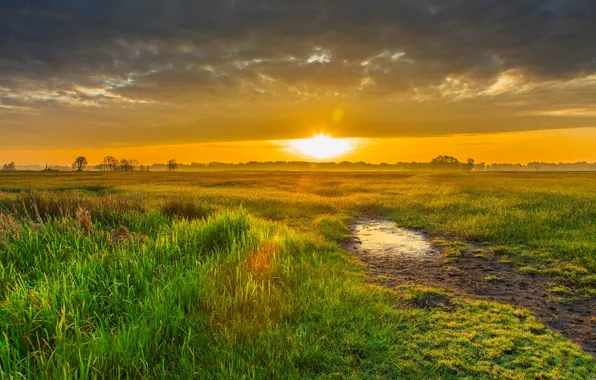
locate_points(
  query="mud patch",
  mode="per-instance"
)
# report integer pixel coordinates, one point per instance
(406, 257)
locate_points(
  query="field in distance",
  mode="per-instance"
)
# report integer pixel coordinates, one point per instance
(153, 275)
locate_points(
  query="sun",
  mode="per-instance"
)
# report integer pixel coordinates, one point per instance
(321, 147)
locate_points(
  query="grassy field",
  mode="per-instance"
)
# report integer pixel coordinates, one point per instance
(231, 275)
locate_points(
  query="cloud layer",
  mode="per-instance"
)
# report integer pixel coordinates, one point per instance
(169, 71)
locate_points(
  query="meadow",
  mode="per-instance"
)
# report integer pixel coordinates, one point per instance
(243, 275)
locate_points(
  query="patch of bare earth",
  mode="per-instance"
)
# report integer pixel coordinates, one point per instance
(397, 257)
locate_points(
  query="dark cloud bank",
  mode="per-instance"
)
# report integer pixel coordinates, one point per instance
(149, 71)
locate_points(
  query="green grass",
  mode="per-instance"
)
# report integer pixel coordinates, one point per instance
(231, 275)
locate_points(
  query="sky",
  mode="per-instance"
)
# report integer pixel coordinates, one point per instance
(234, 80)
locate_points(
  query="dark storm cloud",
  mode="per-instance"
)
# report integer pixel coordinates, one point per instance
(550, 37)
(135, 58)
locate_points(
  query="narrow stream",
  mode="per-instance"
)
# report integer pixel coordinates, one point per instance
(383, 237)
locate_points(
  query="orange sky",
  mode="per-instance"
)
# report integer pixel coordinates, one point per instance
(229, 81)
(557, 145)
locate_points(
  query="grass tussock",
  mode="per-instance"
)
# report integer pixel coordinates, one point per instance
(185, 209)
(333, 228)
(424, 297)
(83, 220)
(8, 225)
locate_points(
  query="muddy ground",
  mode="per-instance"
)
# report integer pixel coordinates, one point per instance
(401, 257)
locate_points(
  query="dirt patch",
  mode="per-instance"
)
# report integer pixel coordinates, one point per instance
(405, 257)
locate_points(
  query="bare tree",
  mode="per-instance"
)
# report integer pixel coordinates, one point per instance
(79, 163)
(172, 165)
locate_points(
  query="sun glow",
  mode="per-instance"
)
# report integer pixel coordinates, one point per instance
(322, 147)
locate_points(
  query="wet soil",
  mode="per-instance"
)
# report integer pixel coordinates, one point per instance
(402, 257)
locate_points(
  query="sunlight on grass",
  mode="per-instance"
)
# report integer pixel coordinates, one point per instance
(248, 280)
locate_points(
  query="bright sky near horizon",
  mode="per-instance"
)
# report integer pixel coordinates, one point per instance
(563, 145)
(236, 80)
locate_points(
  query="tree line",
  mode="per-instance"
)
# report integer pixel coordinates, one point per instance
(439, 163)
(113, 164)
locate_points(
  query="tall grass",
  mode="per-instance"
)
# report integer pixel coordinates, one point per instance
(232, 294)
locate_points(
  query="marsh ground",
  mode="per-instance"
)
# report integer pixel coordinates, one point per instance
(228, 274)
(396, 257)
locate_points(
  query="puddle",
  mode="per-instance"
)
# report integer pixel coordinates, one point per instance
(384, 237)
(406, 257)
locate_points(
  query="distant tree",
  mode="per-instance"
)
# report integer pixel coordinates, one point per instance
(103, 166)
(50, 169)
(535, 165)
(444, 163)
(142, 168)
(172, 165)
(109, 164)
(124, 165)
(470, 165)
(113, 164)
(133, 163)
(79, 163)
(11, 166)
